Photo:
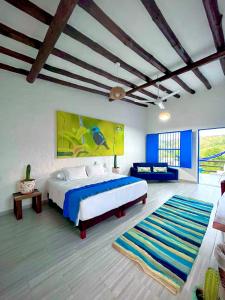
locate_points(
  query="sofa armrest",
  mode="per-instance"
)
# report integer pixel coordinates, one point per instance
(133, 171)
(172, 170)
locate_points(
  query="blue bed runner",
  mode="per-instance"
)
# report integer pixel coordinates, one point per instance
(75, 196)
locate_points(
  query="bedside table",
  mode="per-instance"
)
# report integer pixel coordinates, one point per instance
(36, 202)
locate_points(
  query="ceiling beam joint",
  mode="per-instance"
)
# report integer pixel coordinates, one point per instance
(96, 12)
(55, 29)
(44, 17)
(191, 67)
(215, 23)
(64, 83)
(158, 18)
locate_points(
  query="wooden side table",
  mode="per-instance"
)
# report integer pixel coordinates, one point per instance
(36, 202)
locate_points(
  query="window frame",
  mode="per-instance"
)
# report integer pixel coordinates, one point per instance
(163, 137)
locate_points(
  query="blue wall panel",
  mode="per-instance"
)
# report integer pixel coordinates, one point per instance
(152, 143)
(186, 149)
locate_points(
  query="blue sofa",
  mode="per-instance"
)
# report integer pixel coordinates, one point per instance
(172, 174)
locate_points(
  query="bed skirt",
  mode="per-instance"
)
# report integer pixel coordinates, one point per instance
(118, 212)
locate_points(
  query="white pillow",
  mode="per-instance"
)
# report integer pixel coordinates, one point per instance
(96, 170)
(75, 173)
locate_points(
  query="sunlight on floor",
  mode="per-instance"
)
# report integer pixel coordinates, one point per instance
(210, 179)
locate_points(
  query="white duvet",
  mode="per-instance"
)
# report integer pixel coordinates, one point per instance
(220, 212)
(98, 204)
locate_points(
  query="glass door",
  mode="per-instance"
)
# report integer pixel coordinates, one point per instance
(211, 156)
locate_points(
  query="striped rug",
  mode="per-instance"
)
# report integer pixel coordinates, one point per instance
(167, 242)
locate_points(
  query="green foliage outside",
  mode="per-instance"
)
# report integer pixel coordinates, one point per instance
(211, 145)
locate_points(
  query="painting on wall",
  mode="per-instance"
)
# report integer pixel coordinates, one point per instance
(80, 136)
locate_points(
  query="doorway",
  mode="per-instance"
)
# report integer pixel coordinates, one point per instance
(211, 158)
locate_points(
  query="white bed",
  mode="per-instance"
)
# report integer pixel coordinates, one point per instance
(101, 203)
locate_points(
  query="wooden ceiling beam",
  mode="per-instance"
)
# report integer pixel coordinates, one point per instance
(50, 68)
(55, 29)
(64, 83)
(194, 65)
(60, 71)
(96, 12)
(166, 30)
(20, 37)
(46, 18)
(215, 22)
(16, 55)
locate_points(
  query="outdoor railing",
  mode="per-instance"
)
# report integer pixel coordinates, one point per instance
(211, 166)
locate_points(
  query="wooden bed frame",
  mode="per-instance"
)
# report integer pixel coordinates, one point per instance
(118, 212)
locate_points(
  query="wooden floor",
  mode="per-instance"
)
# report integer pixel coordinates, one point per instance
(42, 256)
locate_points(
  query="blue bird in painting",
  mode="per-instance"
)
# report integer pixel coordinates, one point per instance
(98, 137)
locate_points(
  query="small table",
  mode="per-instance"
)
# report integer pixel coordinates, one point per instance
(18, 198)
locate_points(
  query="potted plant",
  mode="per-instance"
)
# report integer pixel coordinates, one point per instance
(27, 185)
(115, 169)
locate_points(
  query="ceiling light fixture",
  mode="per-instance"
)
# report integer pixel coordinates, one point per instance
(164, 116)
(159, 101)
(160, 105)
(117, 92)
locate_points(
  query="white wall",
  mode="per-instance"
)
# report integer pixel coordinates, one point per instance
(27, 130)
(205, 109)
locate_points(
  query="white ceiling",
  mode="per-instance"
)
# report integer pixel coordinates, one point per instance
(186, 17)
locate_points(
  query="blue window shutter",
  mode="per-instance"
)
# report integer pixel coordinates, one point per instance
(186, 149)
(152, 143)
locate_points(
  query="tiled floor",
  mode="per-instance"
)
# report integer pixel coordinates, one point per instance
(42, 256)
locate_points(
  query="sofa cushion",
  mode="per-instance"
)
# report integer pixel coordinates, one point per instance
(142, 165)
(159, 169)
(144, 169)
(171, 174)
(148, 164)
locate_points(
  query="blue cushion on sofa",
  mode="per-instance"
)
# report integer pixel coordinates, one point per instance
(171, 174)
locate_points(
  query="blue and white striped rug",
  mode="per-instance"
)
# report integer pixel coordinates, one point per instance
(167, 242)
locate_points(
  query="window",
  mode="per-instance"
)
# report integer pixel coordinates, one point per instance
(174, 148)
(169, 148)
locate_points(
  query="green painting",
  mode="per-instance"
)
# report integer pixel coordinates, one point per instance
(80, 136)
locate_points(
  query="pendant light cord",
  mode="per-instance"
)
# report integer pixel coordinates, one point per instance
(117, 71)
(158, 87)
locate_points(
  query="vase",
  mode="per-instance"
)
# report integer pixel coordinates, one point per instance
(27, 186)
